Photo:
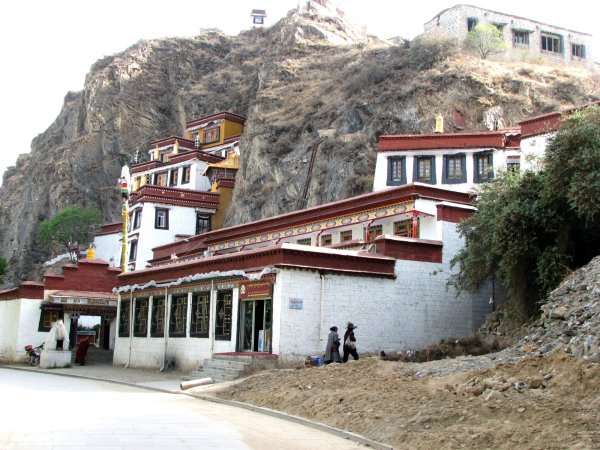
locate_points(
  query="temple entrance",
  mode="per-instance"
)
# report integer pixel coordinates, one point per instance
(256, 325)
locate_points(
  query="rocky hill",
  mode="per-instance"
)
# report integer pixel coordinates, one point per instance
(311, 81)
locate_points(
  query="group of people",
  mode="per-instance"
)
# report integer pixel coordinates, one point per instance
(332, 350)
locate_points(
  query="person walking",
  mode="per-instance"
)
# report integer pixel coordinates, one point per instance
(82, 349)
(332, 350)
(350, 342)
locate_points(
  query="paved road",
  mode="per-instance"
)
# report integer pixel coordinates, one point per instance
(44, 411)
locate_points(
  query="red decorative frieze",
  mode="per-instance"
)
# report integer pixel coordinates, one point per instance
(175, 196)
(218, 116)
(182, 142)
(196, 154)
(110, 228)
(91, 275)
(32, 290)
(548, 122)
(508, 138)
(409, 249)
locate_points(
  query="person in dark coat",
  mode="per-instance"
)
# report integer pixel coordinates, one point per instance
(350, 342)
(332, 350)
(82, 349)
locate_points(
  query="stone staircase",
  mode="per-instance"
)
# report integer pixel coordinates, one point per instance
(230, 366)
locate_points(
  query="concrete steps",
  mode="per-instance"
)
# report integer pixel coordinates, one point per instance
(230, 366)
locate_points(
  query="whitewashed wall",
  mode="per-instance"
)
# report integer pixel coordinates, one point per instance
(108, 248)
(19, 321)
(533, 149)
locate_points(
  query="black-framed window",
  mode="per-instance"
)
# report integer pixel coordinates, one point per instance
(223, 319)
(173, 177)
(374, 231)
(520, 38)
(202, 223)
(185, 174)
(471, 23)
(47, 318)
(483, 165)
(124, 318)
(326, 239)
(161, 219)
(140, 317)
(137, 218)
(424, 169)
(454, 170)
(200, 314)
(396, 171)
(578, 50)
(157, 319)
(345, 235)
(304, 241)
(178, 316)
(160, 178)
(552, 43)
(133, 250)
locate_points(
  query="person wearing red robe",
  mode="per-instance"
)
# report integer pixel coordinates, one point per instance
(82, 349)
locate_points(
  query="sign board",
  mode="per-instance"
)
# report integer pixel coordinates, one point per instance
(296, 303)
(256, 289)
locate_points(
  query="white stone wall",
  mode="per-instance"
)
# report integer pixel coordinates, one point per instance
(453, 22)
(108, 248)
(19, 321)
(533, 149)
(412, 311)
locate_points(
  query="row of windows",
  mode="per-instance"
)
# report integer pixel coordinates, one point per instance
(549, 42)
(149, 316)
(454, 169)
(166, 177)
(401, 228)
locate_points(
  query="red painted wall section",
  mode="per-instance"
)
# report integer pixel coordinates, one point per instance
(27, 289)
(449, 213)
(92, 275)
(409, 249)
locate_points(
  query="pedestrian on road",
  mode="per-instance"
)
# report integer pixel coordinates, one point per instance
(350, 342)
(82, 349)
(332, 350)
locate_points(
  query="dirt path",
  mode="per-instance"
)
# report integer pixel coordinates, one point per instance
(537, 402)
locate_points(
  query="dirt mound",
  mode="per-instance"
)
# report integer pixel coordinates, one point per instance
(542, 393)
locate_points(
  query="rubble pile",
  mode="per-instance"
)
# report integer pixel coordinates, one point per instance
(570, 318)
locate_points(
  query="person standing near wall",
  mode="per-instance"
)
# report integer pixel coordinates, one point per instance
(332, 350)
(350, 342)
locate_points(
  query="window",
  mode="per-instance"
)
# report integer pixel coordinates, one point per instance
(471, 23)
(178, 316)
(223, 319)
(137, 218)
(140, 318)
(197, 141)
(424, 169)
(211, 133)
(346, 236)
(133, 250)
(305, 241)
(520, 38)
(124, 318)
(454, 169)
(173, 177)
(161, 219)
(157, 320)
(578, 50)
(552, 43)
(396, 170)
(405, 228)
(202, 223)
(47, 318)
(326, 239)
(185, 176)
(374, 231)
(513, 165)
(200, 314)
(160, 179)
(484, 170)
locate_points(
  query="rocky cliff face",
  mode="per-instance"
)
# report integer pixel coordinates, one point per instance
(309, 85)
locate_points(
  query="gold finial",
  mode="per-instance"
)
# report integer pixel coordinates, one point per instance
(439, 124)
(156, 154)
(176, 147)
(90, 253)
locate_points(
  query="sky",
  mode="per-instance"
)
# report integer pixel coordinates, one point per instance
(49, 46)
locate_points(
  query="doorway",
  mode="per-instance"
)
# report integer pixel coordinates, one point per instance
(256, 325)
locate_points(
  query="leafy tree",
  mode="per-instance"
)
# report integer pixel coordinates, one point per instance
(485, 39)
(72, 228)
(530, 229)
(3, 265)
